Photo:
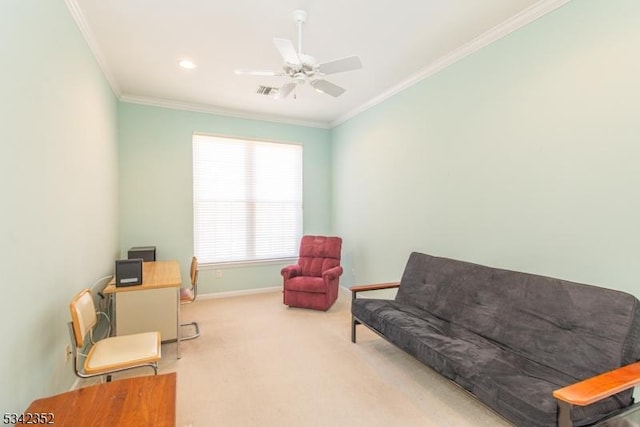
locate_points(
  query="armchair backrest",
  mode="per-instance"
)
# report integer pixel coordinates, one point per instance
(318, 254)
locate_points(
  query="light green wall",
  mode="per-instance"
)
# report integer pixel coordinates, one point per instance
(156, 185)
(58, 169)
(523, 155)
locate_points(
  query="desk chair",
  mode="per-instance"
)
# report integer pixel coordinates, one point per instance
(188, 295)
(111, 354)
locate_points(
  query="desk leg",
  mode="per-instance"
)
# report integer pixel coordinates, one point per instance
(179, 320)
(111, 312)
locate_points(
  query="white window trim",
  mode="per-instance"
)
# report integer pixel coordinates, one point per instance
(264, 261)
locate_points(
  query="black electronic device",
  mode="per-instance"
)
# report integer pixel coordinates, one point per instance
(128, 272)
(147, 253)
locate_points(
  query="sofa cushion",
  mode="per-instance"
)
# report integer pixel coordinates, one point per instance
(515, 386)
(577, 329)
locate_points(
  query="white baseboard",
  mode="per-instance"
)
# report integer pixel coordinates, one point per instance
(215, 295)
(228, 294)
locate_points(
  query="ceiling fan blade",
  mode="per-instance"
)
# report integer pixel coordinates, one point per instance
(288, 51)
(340, 65)
(285, 90)
(241, 72)
(327, 87)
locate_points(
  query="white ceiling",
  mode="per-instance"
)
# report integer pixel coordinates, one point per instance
(138, 44)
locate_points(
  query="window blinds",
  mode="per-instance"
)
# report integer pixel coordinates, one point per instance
(247, 199)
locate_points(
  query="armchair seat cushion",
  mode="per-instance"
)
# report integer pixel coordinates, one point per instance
(306, 284)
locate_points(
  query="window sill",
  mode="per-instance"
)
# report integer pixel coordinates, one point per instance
(240, 264)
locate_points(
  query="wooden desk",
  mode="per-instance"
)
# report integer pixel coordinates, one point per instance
(141, 401)
(152, 306)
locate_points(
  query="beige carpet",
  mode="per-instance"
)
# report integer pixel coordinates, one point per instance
(260, 363)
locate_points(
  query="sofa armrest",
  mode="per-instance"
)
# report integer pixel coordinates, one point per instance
(600, 386)
(291, 271)
(363, 288)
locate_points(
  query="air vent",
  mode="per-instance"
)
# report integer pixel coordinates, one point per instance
(267, 90)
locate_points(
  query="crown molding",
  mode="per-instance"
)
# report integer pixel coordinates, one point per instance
(208, 109)
(81, 22)
(501, 30)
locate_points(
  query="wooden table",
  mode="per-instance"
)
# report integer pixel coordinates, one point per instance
(152, 306)
(141, 401)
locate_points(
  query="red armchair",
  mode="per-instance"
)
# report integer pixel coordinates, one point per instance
(313, 281)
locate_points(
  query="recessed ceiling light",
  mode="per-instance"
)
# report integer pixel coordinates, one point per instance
(185, 63)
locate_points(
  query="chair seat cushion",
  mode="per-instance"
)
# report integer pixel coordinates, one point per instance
(123, 352)
(186, 295)
(306, 284)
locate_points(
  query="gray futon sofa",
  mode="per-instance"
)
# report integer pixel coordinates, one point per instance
(509, 338)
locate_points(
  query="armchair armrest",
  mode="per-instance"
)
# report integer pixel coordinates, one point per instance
(332, 273)
(363, 288)
(600, 386)
(291, 271)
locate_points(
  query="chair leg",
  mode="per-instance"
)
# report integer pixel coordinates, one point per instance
(192, 336)
(354, 323)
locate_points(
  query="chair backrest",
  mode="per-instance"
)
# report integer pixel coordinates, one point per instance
(318, 254)
(83, 315)
(194, 276)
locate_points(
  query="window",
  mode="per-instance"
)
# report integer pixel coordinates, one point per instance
(247, 199)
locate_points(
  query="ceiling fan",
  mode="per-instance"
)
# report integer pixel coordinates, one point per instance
(302, 68)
